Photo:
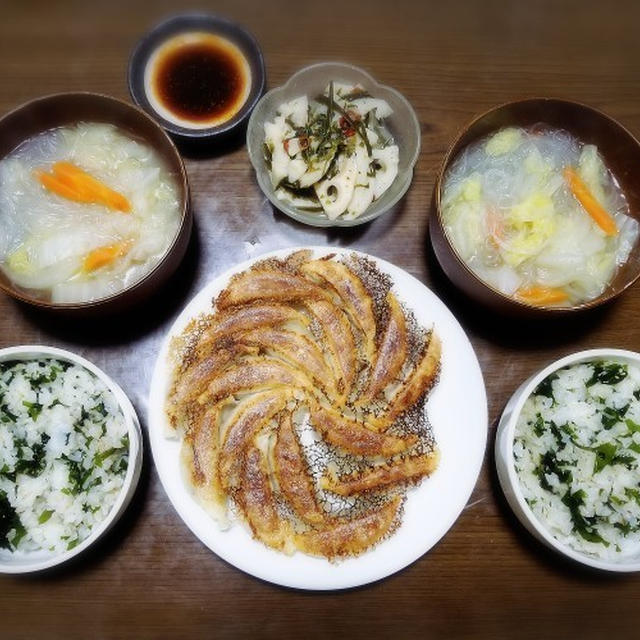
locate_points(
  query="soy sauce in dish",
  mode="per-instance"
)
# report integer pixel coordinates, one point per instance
(198, 80)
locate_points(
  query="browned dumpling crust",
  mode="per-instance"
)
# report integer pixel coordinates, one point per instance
(300, 403)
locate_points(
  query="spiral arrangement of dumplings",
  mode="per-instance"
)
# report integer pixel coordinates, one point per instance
(299, 401)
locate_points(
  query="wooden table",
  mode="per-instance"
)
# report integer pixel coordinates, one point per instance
(487, 577)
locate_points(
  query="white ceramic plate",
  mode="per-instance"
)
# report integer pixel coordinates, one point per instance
(457, 410)
(28, 562)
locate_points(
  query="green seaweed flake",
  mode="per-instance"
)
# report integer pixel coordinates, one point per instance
(78, 475)
(36, 464)
(549, 465)
(45, 516)
(581, 525)
(34, 409)
(607, 454)
(7, 416)
(545, 388)
(538, 426)
(611, 416)
(607, 373)
(9, 521)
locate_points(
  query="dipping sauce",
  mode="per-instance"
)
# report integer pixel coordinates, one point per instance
(197, 80)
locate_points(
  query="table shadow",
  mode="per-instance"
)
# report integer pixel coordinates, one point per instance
(221, 145)
(345, 236)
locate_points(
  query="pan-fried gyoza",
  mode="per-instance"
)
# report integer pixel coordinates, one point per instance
(300, 403)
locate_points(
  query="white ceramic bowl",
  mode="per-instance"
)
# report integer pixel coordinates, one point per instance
(27, 562)
(402, 124)
(505, 462)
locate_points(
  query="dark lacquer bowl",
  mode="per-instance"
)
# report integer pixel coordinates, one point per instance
(61, 109)
(621, 153)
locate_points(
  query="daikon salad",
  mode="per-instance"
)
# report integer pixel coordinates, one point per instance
(536, 214)
(331, 153)
(85, 212)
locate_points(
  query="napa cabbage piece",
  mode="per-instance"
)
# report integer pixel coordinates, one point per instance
(503, 142)
(530, 224)
(593, 171)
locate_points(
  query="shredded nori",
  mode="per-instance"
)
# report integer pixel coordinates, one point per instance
(583, 526)
(607, 373)
(9, 521)
(545, 388)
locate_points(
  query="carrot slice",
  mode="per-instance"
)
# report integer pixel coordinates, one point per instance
(102, 256)
(54, 184)
(541, 295)
(90, 187)
(599, 214)
(495, 226)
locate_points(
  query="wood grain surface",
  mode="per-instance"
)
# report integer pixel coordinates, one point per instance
(487, 578)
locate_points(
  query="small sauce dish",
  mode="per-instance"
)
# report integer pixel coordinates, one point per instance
(198, 75)
(402, 124)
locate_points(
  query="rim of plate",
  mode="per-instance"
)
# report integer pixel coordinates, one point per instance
(417, 533)
(32, 352)
(512, 482)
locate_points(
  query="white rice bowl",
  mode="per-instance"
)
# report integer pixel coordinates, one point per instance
(70, 456)
(568, 457)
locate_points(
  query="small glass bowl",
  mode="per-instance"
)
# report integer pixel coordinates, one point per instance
(402, 124)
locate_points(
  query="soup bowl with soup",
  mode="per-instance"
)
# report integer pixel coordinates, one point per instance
(538, 207)
(94, 203)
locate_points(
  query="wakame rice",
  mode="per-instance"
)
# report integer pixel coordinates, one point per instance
(64, 452)
(577, 455)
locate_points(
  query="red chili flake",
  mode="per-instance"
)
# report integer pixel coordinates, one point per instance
(303, 141)
(346, 128)
(285, 144)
